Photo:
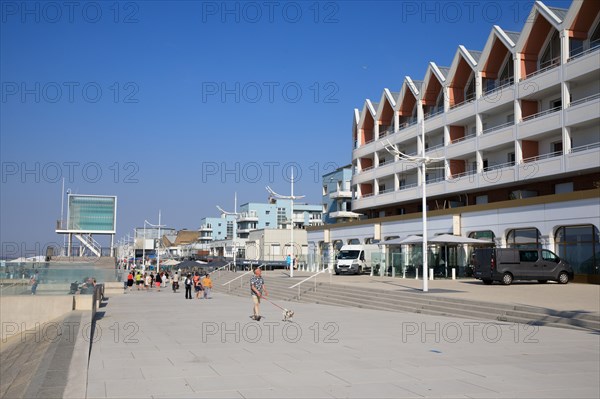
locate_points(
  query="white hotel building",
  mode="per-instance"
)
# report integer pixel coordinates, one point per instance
(516, 128)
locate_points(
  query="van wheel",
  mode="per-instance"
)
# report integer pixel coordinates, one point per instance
(487, 282)
(563, 278)
(337, 272)
(542, 281)
(507, 279)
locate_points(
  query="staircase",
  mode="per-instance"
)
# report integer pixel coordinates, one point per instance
(406, 301)
(88, 241)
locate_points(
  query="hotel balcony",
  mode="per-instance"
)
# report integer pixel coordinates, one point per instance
(582, 63)
(498, 96)
(343, 215)
(541, 165)
(365, 149)
(545, 77)
(340, 194)
(460, 146)
(583, 157)
(540, 122)
(583, 110)
(434, 120)
(205, 228)
(459, 112)
(495, 135)
(251, 216)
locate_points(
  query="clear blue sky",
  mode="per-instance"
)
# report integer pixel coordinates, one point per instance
(135, 91)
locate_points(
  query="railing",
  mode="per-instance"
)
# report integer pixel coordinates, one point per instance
(435, 179)
(387, 190)
(499, 166)
(463, 174)
(431, 114)
(387, 161)
(434, 147)
(367, 195)
(543, 156)
(308, 278)
(367, 168)
(407, 186)
(594, 46)
(497, 127)
(502, 86)
(584, 147)
(584, 100)
(238, 277)
(550, 64)
(540, 114)
(465, 101)
(404, 125)
(463, 138)
(220, 269)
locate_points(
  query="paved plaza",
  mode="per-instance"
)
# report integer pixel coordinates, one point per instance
(160, 345)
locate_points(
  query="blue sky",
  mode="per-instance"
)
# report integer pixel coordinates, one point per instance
(176, 106)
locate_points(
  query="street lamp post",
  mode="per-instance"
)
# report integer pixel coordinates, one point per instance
(291, 197)
(236, 215)
(422, 161)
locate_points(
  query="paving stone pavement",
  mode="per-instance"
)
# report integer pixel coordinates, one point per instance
(160, 345)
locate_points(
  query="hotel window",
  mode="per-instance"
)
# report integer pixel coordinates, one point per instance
(524, 238)
(560, 188)
(439, 103)
(580, 247)
(551, 54)
(511, 158)
(556, 103)
(507, 72)
(275, 249)
(324, 189)
(595, 37)
(510, 118)
(556, 148)
(487, 235)
(470, 89)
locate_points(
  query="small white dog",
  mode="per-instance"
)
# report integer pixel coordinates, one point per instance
(288, 314)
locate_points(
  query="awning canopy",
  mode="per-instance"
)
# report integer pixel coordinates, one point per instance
(439, 239)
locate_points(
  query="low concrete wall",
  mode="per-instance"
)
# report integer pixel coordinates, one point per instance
(21, 312)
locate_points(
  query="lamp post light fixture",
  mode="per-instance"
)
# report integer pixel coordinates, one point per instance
(422, 161)
(236, 215)
(291, 197)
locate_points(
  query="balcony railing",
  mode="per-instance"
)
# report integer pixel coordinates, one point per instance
(467, 100)
(366, 169)
(543, 156)
(433, 113)
(584, 100)
(404, 125)
(594, 46)
(463, 138)
(434, 147)
(387, 190)
(498, 127)
(387, 161)
(499, 166)
(436, 179)
(540, 114)
(545, 66)
(463, 174)
(584, 147)
(501, 86)
(407, 186)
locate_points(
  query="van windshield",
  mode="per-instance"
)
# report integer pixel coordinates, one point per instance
(352, 254)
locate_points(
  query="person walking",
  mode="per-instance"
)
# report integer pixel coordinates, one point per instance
(34, 281)
(158, 281)
(257, 290)
(175, 282)
(188, 286)
(138, 280)
(197, 284)
(207, 285)
(130, 280)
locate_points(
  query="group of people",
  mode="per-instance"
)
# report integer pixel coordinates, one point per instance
(160, 280)
(201, 285)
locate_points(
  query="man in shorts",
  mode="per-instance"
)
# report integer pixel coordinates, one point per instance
(197, 285)
(257, 290)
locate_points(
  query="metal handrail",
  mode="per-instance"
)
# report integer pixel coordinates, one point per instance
(539, 114)
(550, 64)
(584, 147)
(228, 266)
(308, 278)
(497, 127)
(241, 282)
(584, 100)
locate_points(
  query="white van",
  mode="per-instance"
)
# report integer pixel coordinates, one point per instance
(355, 259)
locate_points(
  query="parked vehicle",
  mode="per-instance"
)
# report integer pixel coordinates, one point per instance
(355, 259)
(509, 264)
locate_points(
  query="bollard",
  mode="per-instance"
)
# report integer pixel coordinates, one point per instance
(453, 274)
(430, 274)
(416, 273)
(404, 272)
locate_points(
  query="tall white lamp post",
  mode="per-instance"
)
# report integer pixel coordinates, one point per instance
(422, 161)
(291, 197)
(236, 215)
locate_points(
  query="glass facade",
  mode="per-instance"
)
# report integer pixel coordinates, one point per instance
(580, 247)
(523, 238)
(92, 213)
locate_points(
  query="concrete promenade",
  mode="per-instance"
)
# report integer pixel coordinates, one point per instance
(158, 344)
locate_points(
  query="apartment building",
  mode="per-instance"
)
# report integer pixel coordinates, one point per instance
(337, 196)
(509, 132)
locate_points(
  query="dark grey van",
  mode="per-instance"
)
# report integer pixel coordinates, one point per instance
(508, 264)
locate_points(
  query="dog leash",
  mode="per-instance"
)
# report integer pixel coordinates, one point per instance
(273, 303)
